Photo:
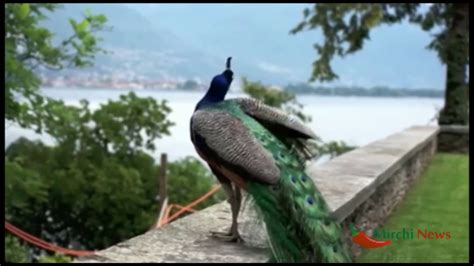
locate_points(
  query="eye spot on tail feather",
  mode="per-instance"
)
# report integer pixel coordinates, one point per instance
(310, 200)
(304, 178)
(293, 179)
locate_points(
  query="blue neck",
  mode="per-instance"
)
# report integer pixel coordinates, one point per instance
(216, 93)
(211, 97)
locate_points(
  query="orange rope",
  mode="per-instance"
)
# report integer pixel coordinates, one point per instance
(192, 204)
(43, 244)
(168, 211)
(183, 207)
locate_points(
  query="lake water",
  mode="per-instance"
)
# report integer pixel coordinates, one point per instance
(355, 120)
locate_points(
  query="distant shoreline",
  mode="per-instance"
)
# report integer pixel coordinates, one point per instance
(372, 96)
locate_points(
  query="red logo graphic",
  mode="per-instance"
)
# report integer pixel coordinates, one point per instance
(365, 241)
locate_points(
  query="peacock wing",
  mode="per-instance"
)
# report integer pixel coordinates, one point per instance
(274, 119)
(223, 140)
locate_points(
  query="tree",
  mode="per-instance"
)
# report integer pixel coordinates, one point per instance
(56, 258)
(97, 186)
(189, 85)
(68, 193)
(190, 179)
(275, 97)
(15, 252)
(346, 26)
(29, 46)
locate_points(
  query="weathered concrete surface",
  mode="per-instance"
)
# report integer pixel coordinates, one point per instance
(455, 129)
(350, 184)
(188, 240)
(454, 138)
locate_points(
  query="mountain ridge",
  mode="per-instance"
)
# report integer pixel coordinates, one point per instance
(182, 42)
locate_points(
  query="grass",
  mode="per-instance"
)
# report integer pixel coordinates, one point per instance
(438, 202)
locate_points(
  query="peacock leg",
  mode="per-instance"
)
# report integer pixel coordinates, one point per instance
(235, 214)
(235, 199)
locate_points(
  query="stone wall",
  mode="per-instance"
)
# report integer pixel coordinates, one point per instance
(374, 212)
(361, 187)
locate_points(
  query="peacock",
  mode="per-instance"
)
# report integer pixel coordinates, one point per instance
(260, 149)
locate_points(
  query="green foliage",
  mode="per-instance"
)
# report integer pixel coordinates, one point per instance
(270, 96)
(20, 192)
(276, 98)
(28, 46)
(346, 27)
(94, 199)
(335, 148)
(96, 186)
(15, 252)
(189, 85)
(97, 164)
(56, 258)
(188, 180)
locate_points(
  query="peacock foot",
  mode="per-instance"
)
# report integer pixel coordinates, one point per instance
(227, 237)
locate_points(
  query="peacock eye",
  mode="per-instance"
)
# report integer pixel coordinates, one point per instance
(293, 179)
(310, 200)
(303, 178)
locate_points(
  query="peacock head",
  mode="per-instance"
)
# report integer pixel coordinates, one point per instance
(220, 84)
(228, 74)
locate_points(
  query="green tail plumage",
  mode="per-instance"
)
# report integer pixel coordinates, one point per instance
(296, 216)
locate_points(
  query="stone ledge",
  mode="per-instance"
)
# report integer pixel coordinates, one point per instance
(454, 129)
(346, 182)
(454, 138)
(350, 179)
(187, 240)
